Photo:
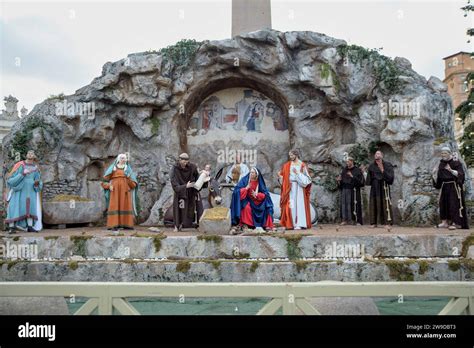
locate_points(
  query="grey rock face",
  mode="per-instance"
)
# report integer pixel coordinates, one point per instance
(143, 105)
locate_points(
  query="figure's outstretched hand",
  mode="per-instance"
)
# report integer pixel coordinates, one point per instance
(111, 188)
(189, 184)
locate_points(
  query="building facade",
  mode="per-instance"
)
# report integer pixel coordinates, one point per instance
(456, 68)
(10, 115)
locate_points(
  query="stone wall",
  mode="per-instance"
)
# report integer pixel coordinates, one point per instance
(277, 258)
(61, 187)
(231, 271)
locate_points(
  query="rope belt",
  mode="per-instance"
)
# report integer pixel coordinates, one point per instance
(355, 204)
(458, 192)
(388, 199)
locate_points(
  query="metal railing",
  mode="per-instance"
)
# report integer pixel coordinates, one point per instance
(107, 296)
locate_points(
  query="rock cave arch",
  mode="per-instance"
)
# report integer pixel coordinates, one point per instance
(271, 143)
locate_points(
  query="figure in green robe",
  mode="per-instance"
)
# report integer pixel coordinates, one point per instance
(24, 203)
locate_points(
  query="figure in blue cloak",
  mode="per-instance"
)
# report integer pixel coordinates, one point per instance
(24, 202)
(251, 204)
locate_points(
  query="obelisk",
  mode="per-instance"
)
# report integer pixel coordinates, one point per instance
(250, 15)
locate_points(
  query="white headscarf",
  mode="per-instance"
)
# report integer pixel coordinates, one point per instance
(256, 171)
(119, 157)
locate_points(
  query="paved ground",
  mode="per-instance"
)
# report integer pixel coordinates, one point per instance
(327, 230)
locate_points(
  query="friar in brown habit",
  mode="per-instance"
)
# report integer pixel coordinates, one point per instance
(187, 204)
(350, 182)
(380, 176)
(449, 179)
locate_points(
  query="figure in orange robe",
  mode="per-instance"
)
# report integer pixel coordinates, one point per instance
(295, 194)
(121, 194)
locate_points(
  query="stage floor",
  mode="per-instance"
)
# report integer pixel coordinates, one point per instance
(320, 230)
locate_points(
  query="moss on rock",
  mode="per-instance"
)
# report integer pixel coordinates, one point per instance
(80, 244)
(210, 238)
(400, 270)
(254, 266)
(183, 266)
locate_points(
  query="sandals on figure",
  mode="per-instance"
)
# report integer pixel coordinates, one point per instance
(235, 230)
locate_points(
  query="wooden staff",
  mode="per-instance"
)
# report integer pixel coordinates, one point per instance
(355, 204)
(387, 200)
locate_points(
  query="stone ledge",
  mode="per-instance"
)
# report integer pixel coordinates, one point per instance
(238, 271)
(278, 246)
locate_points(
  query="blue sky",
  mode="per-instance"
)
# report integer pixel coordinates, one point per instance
(57, 47)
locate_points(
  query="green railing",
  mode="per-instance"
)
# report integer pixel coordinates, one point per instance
(107, 296)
